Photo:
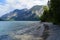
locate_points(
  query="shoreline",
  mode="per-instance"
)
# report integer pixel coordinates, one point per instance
(46, 32)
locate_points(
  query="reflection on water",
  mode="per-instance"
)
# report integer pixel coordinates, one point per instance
(20, 30)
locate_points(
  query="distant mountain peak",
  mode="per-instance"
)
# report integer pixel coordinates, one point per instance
(21, 9)
(24, 14)
(37, 9)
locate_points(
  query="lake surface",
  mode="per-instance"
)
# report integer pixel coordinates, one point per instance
(20, 30)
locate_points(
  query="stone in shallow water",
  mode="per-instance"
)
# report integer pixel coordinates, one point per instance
(26, 37)
(5, 37)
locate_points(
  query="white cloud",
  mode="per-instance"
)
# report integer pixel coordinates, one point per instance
(19, 4)
(3, 9)
(25, 3)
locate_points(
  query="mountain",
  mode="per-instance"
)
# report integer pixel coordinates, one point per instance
(38, 10)
(24, 14)
(1, 19)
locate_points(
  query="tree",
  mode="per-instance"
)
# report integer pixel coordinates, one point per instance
(55, 10)
(53, 15)
(44, 17)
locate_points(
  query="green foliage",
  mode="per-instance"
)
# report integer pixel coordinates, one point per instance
(55, 10)
(46, 8)
(44, 17)
(53, 14)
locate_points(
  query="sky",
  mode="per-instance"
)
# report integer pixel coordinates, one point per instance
(9, 5)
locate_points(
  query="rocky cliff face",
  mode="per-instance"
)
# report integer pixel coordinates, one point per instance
(25, 14)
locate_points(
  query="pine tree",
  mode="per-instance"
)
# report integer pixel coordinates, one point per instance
(55, 10)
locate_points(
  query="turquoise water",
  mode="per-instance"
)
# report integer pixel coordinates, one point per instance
(9, 28)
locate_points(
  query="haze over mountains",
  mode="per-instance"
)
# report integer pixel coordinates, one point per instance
(32, 14)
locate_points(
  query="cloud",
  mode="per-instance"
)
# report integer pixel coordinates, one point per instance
(25, 3)
(10, 5)
(5, 9)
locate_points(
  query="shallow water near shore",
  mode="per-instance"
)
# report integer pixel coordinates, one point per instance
(20, 30)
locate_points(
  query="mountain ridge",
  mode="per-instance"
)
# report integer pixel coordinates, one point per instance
(24, 14)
